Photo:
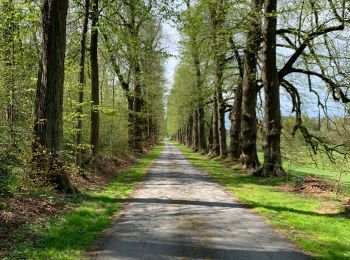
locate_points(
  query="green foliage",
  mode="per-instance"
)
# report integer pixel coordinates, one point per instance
(181, 97)
(11, 168)
(18, 67)
(203, 40)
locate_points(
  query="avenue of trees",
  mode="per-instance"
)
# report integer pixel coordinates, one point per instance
(84, 79)
(256, 63)
(78, 79)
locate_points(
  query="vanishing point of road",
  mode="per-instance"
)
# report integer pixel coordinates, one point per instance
(180, 213)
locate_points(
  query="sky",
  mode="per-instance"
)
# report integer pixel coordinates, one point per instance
(171, 38)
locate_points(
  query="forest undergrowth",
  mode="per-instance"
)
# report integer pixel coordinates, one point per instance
(43, 223)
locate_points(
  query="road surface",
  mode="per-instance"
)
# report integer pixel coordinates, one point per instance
(180, 213)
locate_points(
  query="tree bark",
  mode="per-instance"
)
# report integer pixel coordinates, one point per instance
(95, 97)
(236, 119)
(221, 125)
(272, 120)
(138, 110)
(130, 119)
(215, 150)
(136, 70)
(236, 111)
(217, 20)
(249, 130)
(195, 134)
(210, 135)
(203, 147)
(79, 125)
(202, 144)
(112, 122)
(220, 105)
(48, 125)
(189, 131)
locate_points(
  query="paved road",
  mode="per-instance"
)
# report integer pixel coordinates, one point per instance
(179, 213)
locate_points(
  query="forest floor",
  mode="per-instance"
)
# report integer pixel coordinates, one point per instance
(179, 212)
(43, 224)
(305, 208)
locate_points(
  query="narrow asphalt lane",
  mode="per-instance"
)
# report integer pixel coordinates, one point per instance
(180, 213)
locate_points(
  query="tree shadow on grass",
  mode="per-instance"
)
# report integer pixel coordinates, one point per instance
(237, 179)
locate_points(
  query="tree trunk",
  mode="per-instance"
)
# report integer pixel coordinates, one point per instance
(48, 125)
(136, 70)
(189, 131)
(236, 119)
(79, 125)
(249, 130)
(222, 129)
(183, 136)
(216, 145)
(130, 119)
(95, 97)
(200, 124)
(272, 120)
(138, 110)
(218, 13)
(203, 147)
(112, 122)
(220, 107)
(195, 134)
(210, 136)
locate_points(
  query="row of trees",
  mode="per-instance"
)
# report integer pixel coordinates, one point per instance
(239, 56)
(89, 74)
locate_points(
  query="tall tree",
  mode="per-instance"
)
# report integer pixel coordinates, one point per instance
(95, 97)
(9, 63)
(236, 111)
(249, 130)
(192, 29)
(81, 83)
(272, 119)
(136, 70)
(219, 38)
(195, 130)
(48, 126)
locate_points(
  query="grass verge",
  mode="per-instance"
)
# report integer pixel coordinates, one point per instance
(323, 235)
(305, 166)
(69, 235)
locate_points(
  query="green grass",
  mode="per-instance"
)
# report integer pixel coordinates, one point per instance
(69, 236)
(325, 236)
(306, 168)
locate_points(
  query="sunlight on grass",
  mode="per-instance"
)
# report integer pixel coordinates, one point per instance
(325, 236)
(69, 235)
(326, 169)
